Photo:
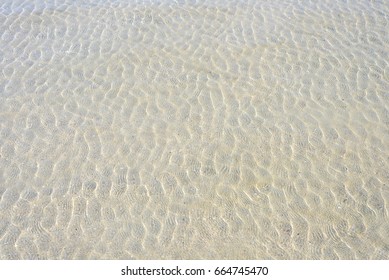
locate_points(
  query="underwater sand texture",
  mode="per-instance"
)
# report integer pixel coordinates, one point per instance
(194, 129)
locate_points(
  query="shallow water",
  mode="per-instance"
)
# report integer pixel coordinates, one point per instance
(194, 129)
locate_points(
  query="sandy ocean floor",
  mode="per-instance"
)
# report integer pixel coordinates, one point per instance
(194, 129)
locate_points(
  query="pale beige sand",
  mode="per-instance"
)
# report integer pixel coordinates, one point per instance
(194, 129)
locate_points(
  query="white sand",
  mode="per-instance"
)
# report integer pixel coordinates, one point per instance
(194, 130)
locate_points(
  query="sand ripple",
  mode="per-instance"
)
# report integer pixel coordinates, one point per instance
(194, 129)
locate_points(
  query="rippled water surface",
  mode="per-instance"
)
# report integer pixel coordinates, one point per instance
(194, 129)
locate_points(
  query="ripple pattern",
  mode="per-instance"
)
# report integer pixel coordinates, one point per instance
(194, 129)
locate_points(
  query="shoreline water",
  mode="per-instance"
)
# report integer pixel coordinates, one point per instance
(206, 130)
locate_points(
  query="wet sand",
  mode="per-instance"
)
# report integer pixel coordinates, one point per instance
(194, 130)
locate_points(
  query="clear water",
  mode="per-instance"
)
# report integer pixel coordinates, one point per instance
(194, 129)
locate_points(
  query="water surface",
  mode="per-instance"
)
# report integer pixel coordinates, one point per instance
(194, 129)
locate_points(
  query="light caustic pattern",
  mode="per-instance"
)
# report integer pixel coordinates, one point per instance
(194, 129)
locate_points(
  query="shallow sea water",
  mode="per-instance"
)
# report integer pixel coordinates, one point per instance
(194, 129)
